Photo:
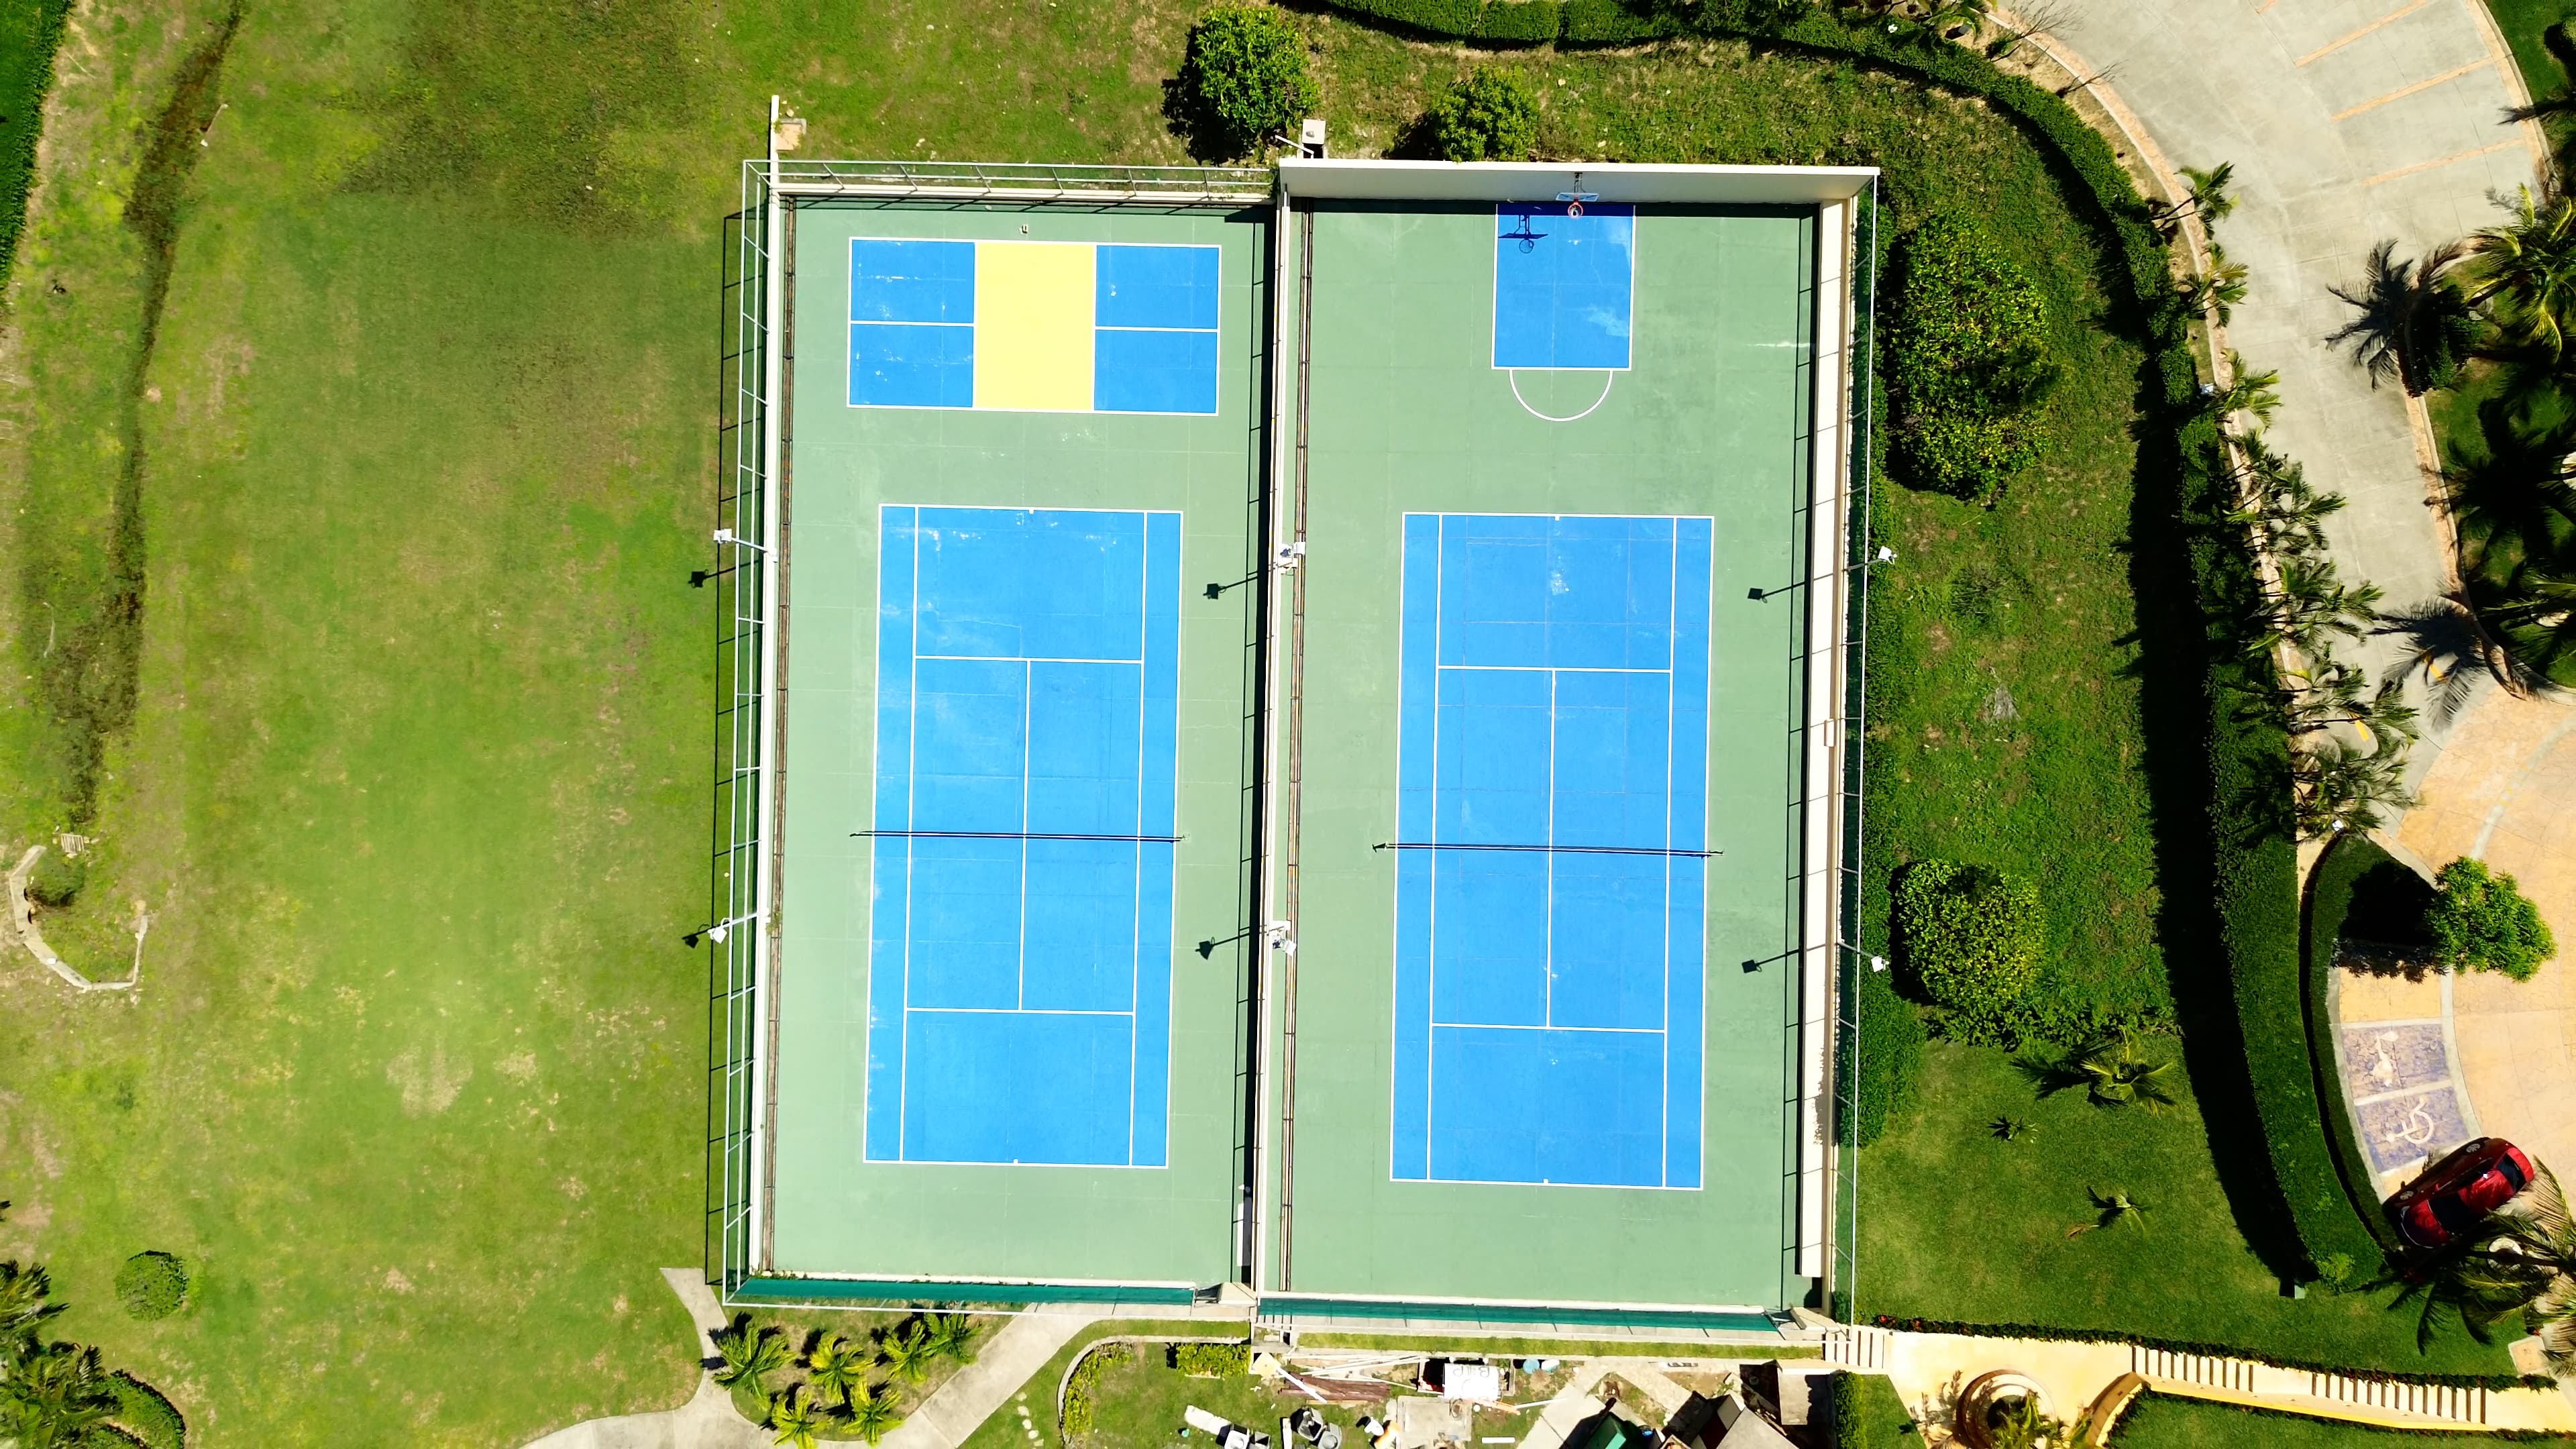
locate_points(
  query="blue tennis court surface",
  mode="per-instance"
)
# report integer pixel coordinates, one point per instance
(1019, 988)
(1564, 286)
(1033, 326)
(1550, 880)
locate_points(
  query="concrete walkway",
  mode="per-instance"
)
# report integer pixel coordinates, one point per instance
(1002, 1364)
(2506, 793)
(2349, 122)
(1929, 1369)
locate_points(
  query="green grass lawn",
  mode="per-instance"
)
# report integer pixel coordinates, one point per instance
(2157, 1421)
(414, 771)
(2524, 22)
(1006, 1429)
(1943, 1181)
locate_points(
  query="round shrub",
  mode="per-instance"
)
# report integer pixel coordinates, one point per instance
(2482, 921)
(1968, 363)
(1492, 115)
(152, 1285)
(56, 879)
(1972, 939)
(1244, 78)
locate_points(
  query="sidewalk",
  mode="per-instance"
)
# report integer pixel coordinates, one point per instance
(2349, 122)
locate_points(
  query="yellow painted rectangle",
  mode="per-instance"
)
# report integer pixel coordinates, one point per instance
(1033, 317)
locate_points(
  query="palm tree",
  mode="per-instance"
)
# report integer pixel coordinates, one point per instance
(2338, 786)
(2520, 1262)
(2524, 269)
(2114, 1069)
(2207, 197)
(2415, 324)
(837, 1368)
(2110, 1210)
(2533, 614)
(2338, 700)
(2443, 639)
(2306, 604)
(24, 1295)
(749, 1355)
(53, 1396)
(2008, 1129)
(2220, 288)
(798, 1420)
(907, 1353)
(952, 1337)
(2252, 392)
(872, 1413)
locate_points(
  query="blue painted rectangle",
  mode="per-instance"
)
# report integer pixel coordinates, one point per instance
(912, 281)
(1564, 287)
(1157, 286)
(1153, 372)
(1019, 992)
(1550, 904)
(911, 365)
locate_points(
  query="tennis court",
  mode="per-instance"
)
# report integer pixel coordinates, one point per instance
(1028, 666)
(1553, 802)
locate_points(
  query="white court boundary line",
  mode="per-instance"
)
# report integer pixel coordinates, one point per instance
(1147, 517)
(1432, 1024)
(1608, 377)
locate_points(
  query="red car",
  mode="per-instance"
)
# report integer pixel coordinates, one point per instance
(2457, 1193)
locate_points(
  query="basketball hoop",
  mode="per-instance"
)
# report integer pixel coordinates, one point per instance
(1574, 199)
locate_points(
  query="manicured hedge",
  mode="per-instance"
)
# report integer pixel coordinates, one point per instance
(1212, 1359)
(24, 105)
(2208, 1350)
(1867, 1412)
(1890, 1041)
(2254, 861)
(2330, 892)
(147, 1416)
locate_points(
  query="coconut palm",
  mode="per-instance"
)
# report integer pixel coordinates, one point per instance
(907, 1352)
(2110, 1210)
(872, 1415)
(796, 1419)
(25, 1295)
(2415, 325)
(2521, 1262)
(53, 1396)
(952, 1337)
(2218, 289)
(2447, 649)
(2533, 614)
(2339, 786)
(749, 1355)
(837, 1368)
(2524, 269)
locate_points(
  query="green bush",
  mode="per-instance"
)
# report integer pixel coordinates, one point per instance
(1492, 115)
(1966, 362)
(56, 879)
(1971, 937)
(2483, 921)
(143, 1413)
(152, 1285)
(1244, 78)
(1082, 1390)
(1212, 1360)
(1891, 1054)
(1867, 1412)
